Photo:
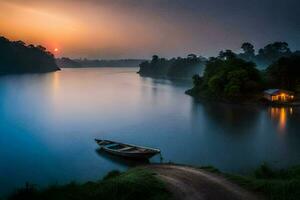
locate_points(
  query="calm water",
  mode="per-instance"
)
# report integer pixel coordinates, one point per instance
(48, 123)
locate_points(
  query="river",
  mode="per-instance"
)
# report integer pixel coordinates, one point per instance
(48, 123)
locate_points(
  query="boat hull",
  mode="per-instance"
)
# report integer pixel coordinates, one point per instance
(138, 152)
(129, 155)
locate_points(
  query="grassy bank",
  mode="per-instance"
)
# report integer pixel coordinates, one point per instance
(281, 184)
(133, 184)
(140, 183)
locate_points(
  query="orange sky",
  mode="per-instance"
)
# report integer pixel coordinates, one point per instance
(141, 28)
(76, 28)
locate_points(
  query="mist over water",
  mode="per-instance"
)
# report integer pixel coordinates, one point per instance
(48, 123)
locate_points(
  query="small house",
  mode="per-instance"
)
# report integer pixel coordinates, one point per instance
(278, 95)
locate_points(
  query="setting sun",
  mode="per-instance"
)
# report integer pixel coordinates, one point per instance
(56, 50)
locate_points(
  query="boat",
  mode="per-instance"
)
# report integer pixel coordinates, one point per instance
(127, 150)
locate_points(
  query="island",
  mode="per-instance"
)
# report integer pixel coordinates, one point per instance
(179, 67)
(232, 77)
(16, 57)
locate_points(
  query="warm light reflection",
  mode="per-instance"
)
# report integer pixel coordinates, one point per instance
(280, 115)
(55, 81)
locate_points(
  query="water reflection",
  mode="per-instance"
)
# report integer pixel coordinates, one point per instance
(280, 115)
(121, 161)
(231, 118)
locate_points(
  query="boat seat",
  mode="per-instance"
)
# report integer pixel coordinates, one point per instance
(111, 145)
(126, 148)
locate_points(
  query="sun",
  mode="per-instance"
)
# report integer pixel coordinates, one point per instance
(56, 50)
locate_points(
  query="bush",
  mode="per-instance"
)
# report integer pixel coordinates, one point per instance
(228, 76)
(112, 174)
(133, 184)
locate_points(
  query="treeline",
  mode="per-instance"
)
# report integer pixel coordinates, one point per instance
(266, 55)
(173, 68)
(17, 57)
(192, 64)
(65, 62)
(230, 76)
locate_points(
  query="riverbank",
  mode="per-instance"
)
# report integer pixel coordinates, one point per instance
(253, 99)
(169, 181)
(134, 184)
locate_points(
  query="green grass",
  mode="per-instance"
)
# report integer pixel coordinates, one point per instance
(210, 169)
(138, 183)
(281, 184)
(134, 184)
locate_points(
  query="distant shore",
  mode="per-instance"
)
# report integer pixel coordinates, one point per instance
(65, 62)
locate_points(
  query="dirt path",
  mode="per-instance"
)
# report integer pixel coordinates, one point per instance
(187, 183)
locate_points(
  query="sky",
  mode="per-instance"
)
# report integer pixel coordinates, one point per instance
(112, 29)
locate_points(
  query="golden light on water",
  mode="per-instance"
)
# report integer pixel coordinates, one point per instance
(55, 82)
(282, 119)
(280, 116)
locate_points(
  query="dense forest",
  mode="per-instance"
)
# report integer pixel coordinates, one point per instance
(173, 68)
(192, 64)
(229, 76)
(17, 57)
(266, 55)
(77, 63)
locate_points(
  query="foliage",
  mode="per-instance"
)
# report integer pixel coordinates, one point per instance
(274, 184)
(16, 57)
(228, 76)
(249, 51)
(272, 52)
(133, 184)
(197, 80)
(65, 62)
(173, 68)
(234, 76)
(285, 73)
(266, 55)
(112, 174)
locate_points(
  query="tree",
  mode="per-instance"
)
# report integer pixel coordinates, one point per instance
(197, 80)
(272, 52)
(40, 47)
(192, 56)
(285, 73)
(230, 77)
(173, 68)
(227, 54)
(249, 51)
(154, 58)
(16, 57)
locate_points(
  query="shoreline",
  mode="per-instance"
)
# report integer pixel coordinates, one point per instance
(252, 101)
(168, 181)
(187, 79)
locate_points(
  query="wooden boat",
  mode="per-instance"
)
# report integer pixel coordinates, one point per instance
(127, 150)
